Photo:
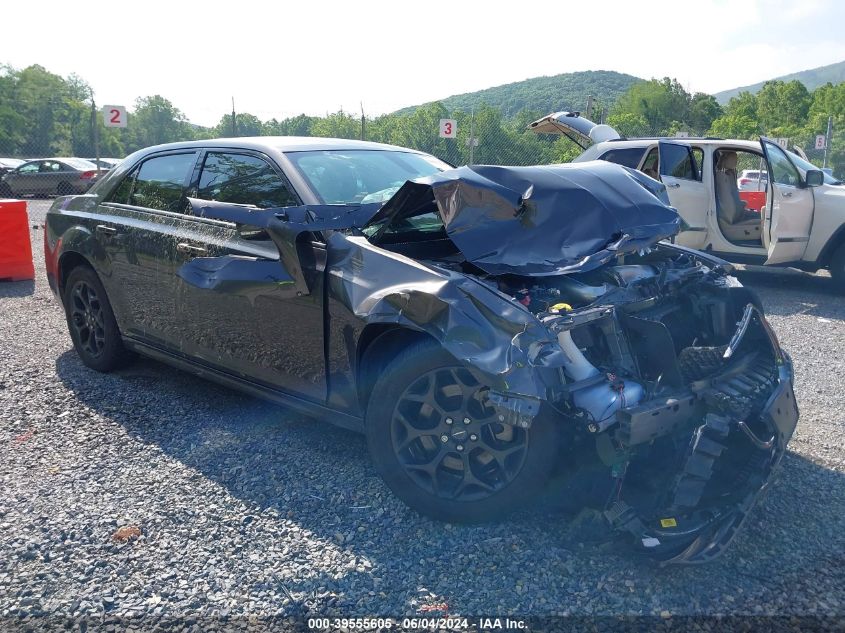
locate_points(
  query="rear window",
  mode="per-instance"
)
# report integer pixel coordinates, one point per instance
(158, 183)
(79, 163)
(628, 156)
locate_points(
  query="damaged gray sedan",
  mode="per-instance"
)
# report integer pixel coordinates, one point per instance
(487, 328)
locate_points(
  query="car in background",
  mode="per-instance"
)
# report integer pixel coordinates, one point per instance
(799, 221)
(484, 327)
(50, 177)
(8, 164)
(105, 163)
(752, 180)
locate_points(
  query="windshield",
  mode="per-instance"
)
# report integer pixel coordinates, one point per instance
(805, 166)
(361, 176)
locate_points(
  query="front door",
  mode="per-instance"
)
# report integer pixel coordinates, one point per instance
(681, 174)
(242, 310)
(789, 208)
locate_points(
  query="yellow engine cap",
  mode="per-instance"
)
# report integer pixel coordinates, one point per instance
(667, 523)
(561, 307)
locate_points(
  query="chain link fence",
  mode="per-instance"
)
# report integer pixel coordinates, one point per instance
(67, 126)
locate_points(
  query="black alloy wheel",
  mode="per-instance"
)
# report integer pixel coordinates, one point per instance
(86, 318)
(440, 446)
(91, 321)
(448, 439)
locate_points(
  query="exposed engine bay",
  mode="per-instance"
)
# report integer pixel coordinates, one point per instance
(668, 369)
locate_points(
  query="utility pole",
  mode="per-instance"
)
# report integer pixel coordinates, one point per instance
(472, 136)
(590, 107)
(362, 120)
(234, 121)
(94, 131)
(827, 139)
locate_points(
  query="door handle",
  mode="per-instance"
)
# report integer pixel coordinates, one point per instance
(105, 230)
(190, 249)
(786, 194)
(674, 185)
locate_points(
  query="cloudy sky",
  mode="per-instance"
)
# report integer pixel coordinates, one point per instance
(280, 59)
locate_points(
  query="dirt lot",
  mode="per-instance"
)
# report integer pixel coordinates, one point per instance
(246, 509)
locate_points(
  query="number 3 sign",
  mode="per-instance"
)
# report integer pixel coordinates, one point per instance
(114, 116)
(448, 128)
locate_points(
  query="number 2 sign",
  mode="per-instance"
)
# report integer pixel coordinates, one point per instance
(114, 116)
(448, 128)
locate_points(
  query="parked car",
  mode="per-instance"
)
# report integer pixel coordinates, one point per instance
(50, 176)
(752, 180)
(105, 163)
(803, 224)
(8, 164)
(484, 327)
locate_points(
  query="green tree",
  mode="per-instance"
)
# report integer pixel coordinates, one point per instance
(703, 110)
(782, 103)
(659, 102)
(156, 120)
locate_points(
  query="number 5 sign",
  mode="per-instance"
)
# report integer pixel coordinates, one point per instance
(448, 128)
(114, 116)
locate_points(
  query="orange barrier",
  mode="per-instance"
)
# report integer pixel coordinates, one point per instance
(754, 200)
(15, 247)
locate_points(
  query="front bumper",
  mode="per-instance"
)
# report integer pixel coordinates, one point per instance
(684, 531)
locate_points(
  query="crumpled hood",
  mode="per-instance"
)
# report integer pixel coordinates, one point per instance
(543, 220)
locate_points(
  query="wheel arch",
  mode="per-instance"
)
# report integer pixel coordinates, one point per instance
(378, 344)
(67, 262)
(833, 244)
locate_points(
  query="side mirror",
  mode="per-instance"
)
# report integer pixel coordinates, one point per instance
(814, 178)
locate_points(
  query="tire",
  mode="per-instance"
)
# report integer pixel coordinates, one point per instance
(64, 189)
(457, 472)
(91, 322)
(6, 191)
(837, 268)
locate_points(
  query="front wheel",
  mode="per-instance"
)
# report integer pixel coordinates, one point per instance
(837, 267)
(437, 442)
(91, 321)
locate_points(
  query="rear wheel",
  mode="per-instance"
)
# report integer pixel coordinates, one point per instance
(5, 190)
(64, 189)
(91, 321)
(837, 267)
(437, 442)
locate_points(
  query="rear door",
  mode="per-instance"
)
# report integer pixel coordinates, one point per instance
(682, 174)
(243, 311)
(789, 208)
(143, 231)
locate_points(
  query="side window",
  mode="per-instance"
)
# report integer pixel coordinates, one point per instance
(698, 155)
(122, 192)
(649, 167)
(627, 156)
(783, 171)
(29, 168)
(243, 179)
(160, 182)
(679, 163)
(50, 166)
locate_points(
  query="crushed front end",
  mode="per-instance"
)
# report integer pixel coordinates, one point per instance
(675, 393)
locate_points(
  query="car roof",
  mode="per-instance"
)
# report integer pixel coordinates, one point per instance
(284, 144)
(645, 142)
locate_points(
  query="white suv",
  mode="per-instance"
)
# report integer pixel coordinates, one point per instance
(798, 220)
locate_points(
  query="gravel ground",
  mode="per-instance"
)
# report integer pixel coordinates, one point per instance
(247, 509)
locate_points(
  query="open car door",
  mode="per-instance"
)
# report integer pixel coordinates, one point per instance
(789, 208)
(682, 176)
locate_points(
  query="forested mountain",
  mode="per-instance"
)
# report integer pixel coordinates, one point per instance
(568, 91)
(812, 79)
